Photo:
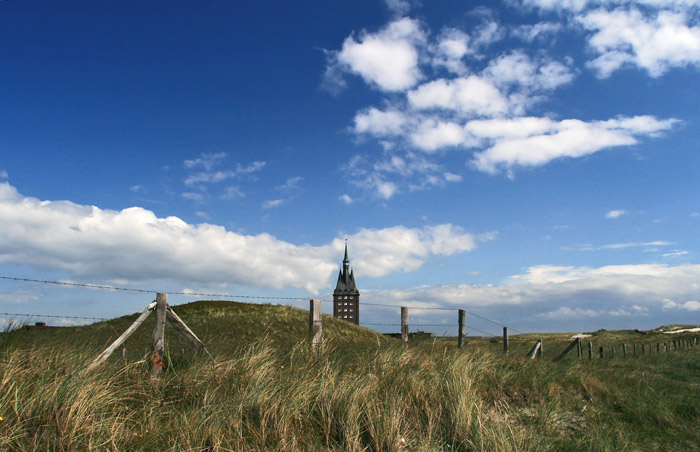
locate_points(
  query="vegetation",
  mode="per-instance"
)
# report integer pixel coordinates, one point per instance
(263, 391)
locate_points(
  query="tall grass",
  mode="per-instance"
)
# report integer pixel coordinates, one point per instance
(425, 398)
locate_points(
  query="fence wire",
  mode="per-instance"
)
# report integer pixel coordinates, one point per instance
(246, 297)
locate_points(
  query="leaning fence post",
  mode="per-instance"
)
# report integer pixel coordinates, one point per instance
(505, 339)
(315, 325)
(404, 326)
(158, 342)
(535, 349)
(462, 329)
(567, 349)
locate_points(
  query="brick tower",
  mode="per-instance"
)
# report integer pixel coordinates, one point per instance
(346, 297)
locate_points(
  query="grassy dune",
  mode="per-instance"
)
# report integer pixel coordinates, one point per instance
(263, 391)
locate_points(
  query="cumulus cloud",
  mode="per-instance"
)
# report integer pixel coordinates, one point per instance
(567, 138)
(558, 292)
(454, 90)
(630, 38)
(387, 60)
(135, 245)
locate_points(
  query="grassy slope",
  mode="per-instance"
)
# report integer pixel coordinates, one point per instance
(263, 391)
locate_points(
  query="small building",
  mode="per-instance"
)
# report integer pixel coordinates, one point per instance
(346, 297)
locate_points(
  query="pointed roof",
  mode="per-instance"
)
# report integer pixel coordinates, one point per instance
(346, 277)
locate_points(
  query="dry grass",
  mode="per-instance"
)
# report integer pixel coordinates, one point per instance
(269, 395)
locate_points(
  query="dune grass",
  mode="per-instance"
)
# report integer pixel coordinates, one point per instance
(264, 391)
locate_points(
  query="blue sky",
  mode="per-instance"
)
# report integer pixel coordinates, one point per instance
(532, 161)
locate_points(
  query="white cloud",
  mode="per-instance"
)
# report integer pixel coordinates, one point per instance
(567, 138)
(615, 213)
(379, 123)
(4, 175)
(569, 313)
(197, 197)
(539, 30)
(202, 214)
(432, 135)
(562, 292)
(346, 199)
(206, 161)
(387, 59)
(212, 177)
(134, 245)
(452, 47)
(420, 173)
(517, 68)
(472, 95)
(272, 203)
(655, 42)
(398, 7)
(232, 192)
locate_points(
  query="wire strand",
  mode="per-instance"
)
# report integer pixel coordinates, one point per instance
(247, 297)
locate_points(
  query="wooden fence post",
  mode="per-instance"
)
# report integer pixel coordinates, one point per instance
(462, 329)
(602, 352)
(578, 347)
(658, 348)
(567, 349)
(634, 349)
(612, 355)
(404, 326)
(158, 338)
(505, 339)
(624, 350)
(315, 325)
(643, 349)
(535, 349)
(590, 351)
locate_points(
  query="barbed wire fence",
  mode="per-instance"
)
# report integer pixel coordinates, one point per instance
(315, 324)
(235, 297)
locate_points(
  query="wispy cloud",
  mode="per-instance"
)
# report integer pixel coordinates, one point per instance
(612, 214)
(4, 175)
(272, 203)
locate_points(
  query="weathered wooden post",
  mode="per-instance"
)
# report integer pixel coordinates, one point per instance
(612, 354)
(158, 338)
(578, 347)
(315, 325)
(590, 351)
(505, 339)
(404, 326)
(602, 352)
(658, 347)
(634, 349)
(537, 347)
(624, 350)
(462, 329)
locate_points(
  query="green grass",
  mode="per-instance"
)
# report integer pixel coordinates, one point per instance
(264, 391)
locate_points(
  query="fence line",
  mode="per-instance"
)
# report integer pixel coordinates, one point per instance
(231, 296)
